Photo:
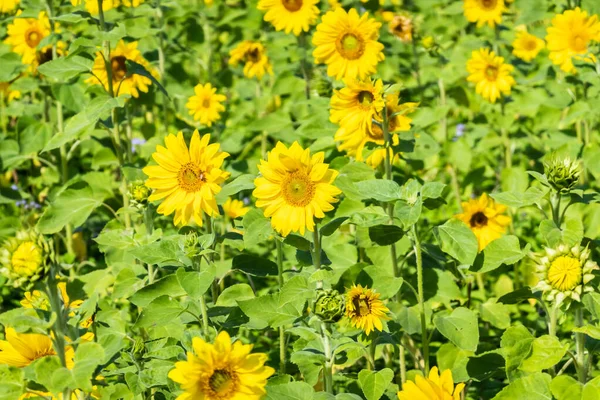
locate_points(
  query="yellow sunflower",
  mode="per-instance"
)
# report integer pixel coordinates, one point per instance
(7, 93)
(23, 258)
(91, 6)
(132, 3)
(122, 82)
(434, 387)
(347, 43)
(355, 105)
(235, 208)
(527, 46)
(222, 371)
(254, 56)
(7, 6)
(205, 106)
(25, 34)
(38, 300)
(569, 37)
(187, 180)
(484, 11)
(290, 15)
(294, 188)
(490, 74)
(485, 218)
(401, 26)
(365, 310)
(21, 349)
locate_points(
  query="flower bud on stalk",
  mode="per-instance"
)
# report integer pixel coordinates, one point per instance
(138, 193)
(562, 173)
(25, 258)
(329, 305)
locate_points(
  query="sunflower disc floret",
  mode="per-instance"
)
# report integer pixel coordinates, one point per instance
(25, 258)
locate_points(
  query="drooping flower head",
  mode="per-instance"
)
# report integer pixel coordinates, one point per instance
(8, 6)
(206, 105)
(187, 180)
(365, 310)
(293, 16)
(222, 371)
(569, 37)
(490, 74)
(235, 208)
(122, 81)
(527, 46)
(347, 43)
(294, 188)
(484, 11)
(354, 106)
(434, 387)
(23, 258)
(564, 273)
(485, 218)
(254, 57)
(25, 34)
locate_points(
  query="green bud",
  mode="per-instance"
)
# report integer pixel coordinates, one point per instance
(138, 193)
(562, 173)
(25, 258)
(329, 305)
(139, 348)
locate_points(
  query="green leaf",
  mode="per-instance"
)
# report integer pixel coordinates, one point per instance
(66, 68)
(546, 352)
(458, 241)
(564, 387)
(196, 283)
(385, 235)
(167, 286)
(460, 327)
(329, 228)
(378, 189)
(505, 250)
(531, 387)
(374, 383)
(168, 250)
(408, 214)
(11, 382)
(516, 346)
(496, 314)
(134, 68)
(380, 279)
(230, 296)
(590, 330)
(484, 366)
(267, 310)
(531, 196)
(257, 228)
(87, 357)
(160, 312)
(254, 265)
(290, 391)
(298, 242)
(591, 301)
(242, 182)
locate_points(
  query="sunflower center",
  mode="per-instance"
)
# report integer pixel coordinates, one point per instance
(361, 305)
(33, 37)
(565, 273)
(253, 55)
(478, 220)
(530, 44)
(221, 381)
(298, 190)
(365, 98)
(491, 72)
(350, 46)
(191, 177)
(119, 69)
(292, 5)
(579, 44)
(26, 259)
(488, 4)
(206, 102)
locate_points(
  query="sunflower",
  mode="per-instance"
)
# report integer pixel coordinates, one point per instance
(122, 82)
(364, 309)
(187, 180)
(490, 74)
(294, 188)
(435, 387)
(222, 371)
(290, 15)
(7, 94)
(348, 44)
(564, 273)
(132, 3)
(355, 105)
(484, 11)
(235, 208)
(527, 46)
(206, 105)
(254, 56)
(485, 218)
(7, 6)
(25, 34)
(91, 6)
(38, 300)
(401, 26)
(569, 37)
(21, 349)
(24, 258)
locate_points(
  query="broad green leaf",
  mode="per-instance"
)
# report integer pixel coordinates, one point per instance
(160, 312)
(451, 357)
(564, 387)
(591, 301)
(87, 357)
(378, 189)
(381, 280)
(168, 250)
(496, 314)
(329, 228)
(134, 68)
(267, 310)
(408, 214)
(242, 182)
(66, 68)
(12, 382)
(484, 366)
(531, 196)
(374, 383)
(460, 327)
(196, 283)
(516, 346)
(531, 387)
(590, 330)
(169, 285)
(546, 352)
(257, 228)
(290, 391)
(458, 241)
(385, 235)
(254, 265)
(230, 296)
(505, 250)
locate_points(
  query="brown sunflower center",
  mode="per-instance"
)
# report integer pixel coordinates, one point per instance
(33, 37)
(292, 5)
(478, 220)
(253, 55)
(206, 102)
(365, 98)
(361, 305)
(488, 4)
(221, 382)
(350, 46)
(297, 189)
(491, 72)
(191, 177)
(119, 69)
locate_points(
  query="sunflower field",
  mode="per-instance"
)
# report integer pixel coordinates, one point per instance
(300, 199)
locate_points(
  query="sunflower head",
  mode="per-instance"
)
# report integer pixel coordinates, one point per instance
(25, 34)
(25, 258)
(8, 6)
(490, 74)
(355, 105)
(206, 105)
(485, 218)
(293, 16)
(527, 46)
(139, 193)
(235, 208)
(254, 57)
(329, 305)
(564, 273)
(434, 387)
(562, 172)
(401, 26)
(365, 310)
(484, 11)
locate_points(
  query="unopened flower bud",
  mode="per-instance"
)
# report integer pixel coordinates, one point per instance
(562, 172)
(329, 305)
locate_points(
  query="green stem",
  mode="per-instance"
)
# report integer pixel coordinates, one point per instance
(580, 345)
(209, 230)
(402, 364)
(204, 312)
(424, 337)
(444, 121)
(552, 323)
(161, 61)
(328, 368)
(149, 223)
(3, 113)
(302, 43)
(416, 64)
(316, 253)
(279, 246)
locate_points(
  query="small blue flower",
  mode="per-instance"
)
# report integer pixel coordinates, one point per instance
(460, 131)
(14, 186)
(136, 142)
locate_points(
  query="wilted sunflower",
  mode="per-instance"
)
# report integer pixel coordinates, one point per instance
(222, 371)
(7, 6)
(485, 218)
(354, 106)
(254, 56)
(434, 387)
(527, 46)
(401, 26)
(122, 82)
(25, 34)
(205, 105)
(21, 349)
(23, 258)
(490, 74)
(484, 11)
(365, 310)
(187, 180)
(7, 93)
(569, 37)
(564, 273)
(294, 188)
(235, 208)
(290, 15)
(347, 43)
(91, 6)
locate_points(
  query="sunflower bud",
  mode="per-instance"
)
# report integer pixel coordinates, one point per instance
(139, 193)
(562, 173)
(25, 258)
(138, 349)
(329, 305)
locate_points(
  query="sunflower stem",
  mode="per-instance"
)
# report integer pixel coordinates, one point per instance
(580, 345)
(279, 246)
(161, 61)
(302, 43)
(402, 364)
(424, 337)
(316, 253)
(328, 368)
(417, 65)
(149, 223)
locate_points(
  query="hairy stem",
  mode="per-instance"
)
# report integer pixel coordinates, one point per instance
(424, 337)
